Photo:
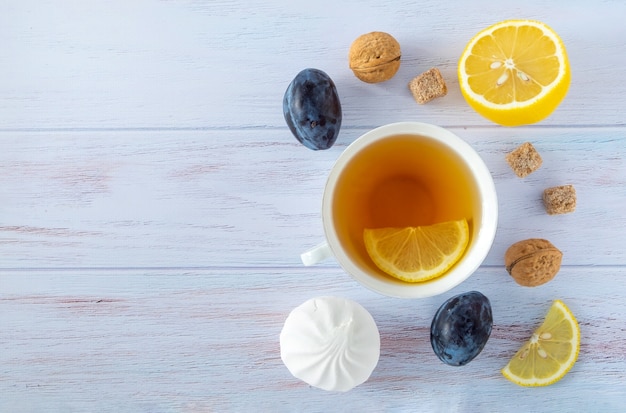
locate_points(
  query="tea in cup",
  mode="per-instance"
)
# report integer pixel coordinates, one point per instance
(401, 175)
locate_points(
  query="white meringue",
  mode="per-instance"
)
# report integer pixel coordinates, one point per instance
(331, 343)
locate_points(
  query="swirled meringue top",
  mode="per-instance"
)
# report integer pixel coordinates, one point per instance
(331, 343)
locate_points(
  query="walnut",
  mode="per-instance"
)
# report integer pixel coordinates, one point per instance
(533, 262)
(374, 57)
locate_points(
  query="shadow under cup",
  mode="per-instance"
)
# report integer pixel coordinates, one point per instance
(408, 179)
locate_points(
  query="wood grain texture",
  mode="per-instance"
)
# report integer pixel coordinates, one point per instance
(153, 205)
(232, 198)
(110, 340)
(227, 63)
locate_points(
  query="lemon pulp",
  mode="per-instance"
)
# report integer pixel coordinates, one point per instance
(416, 254)
(551, 351)
(514, 72)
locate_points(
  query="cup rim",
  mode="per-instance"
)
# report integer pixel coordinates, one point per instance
(484, 236)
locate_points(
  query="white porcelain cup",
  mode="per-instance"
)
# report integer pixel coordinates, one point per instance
(396, 166)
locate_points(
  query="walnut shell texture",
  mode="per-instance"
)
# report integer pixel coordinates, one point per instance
(533, 262)
(375, 57)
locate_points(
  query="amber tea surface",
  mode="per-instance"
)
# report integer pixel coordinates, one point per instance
(400, 181)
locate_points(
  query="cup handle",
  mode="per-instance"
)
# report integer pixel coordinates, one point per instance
(316, 254)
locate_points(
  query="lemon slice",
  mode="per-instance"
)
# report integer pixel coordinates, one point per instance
(551, 351)
(416, 254)
(515, 72)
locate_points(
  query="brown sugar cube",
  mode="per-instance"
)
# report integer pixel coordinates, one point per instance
(428, 86)
(560, 199)
(524, 160)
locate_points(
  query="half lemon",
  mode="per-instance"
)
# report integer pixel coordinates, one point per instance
(515, 72)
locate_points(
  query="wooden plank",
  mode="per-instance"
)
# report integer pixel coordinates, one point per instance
(233, 198)
(153, 205)
(227, 64)
(208, 341)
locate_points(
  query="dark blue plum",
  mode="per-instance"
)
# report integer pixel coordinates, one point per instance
(461, 328)
(312, 109)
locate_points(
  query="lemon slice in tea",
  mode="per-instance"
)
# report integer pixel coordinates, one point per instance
(416, 254)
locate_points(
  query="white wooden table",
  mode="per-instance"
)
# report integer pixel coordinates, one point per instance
(153, 205)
